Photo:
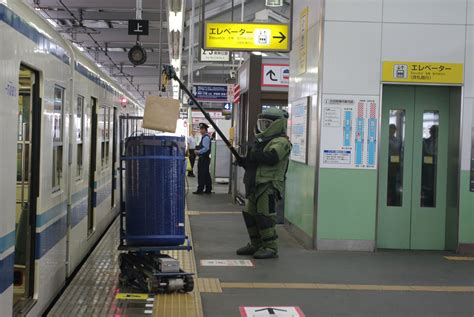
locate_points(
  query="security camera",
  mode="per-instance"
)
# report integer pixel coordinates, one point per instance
(232, 74)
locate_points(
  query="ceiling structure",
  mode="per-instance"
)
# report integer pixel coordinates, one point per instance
(99, 28)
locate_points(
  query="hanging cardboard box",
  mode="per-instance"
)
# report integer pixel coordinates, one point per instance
(161, 114)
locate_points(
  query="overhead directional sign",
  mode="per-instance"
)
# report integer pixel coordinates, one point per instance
(138, 27)
(246, 36)
(212, 92)
(275, 75)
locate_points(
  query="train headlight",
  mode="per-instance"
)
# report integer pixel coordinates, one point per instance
(137, 55)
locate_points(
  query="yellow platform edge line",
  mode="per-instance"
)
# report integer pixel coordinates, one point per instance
(350, 287)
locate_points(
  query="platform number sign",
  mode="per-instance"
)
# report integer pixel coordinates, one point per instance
(138, 27)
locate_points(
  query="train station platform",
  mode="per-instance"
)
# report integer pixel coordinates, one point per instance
(300, 282)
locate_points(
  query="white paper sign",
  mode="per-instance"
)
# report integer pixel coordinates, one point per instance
(246, 263)
(299, 129)
(349, 132)
(214, 56)
(275, 75)
(271, 311)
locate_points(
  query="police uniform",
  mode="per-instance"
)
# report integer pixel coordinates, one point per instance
(265, 169)
(204, 152)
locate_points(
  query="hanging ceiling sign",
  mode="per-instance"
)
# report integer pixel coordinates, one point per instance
(138, 27)
(415, 72)
(215, 56)
(275, 75)
(274, 3)
(212, 93)
(246, 36)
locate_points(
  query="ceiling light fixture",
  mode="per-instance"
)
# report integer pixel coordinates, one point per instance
(175, 21)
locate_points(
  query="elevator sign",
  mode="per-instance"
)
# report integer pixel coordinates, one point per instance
(246, 36)
(414, 72)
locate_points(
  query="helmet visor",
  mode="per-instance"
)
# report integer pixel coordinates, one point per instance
(263, 124)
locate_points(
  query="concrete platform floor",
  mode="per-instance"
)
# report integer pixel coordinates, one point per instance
(393, 283)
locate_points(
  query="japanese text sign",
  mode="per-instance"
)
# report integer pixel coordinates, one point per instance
(414, 72)
(212, 92)
(246, 36)
(275, 75)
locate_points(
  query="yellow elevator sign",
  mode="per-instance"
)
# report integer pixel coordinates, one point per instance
(415, 72)
(246, 36)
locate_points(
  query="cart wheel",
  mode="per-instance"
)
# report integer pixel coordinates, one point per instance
(153, 285)
(123, 281)
(188, 284)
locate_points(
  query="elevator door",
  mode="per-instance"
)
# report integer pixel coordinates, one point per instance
(413, 168)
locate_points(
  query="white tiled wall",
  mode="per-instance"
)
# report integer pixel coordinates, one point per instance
(469, 64)
(425, 11)
(307, 83)
(354, 10)
(352, 58)
(466, 133)
(470, 12)
(360, 34)
(423, 42)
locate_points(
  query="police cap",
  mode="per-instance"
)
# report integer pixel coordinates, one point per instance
(203, 126)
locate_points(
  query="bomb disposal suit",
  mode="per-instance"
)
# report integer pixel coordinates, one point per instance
(265, 168)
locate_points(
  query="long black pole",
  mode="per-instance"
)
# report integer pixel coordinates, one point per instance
(208, 117)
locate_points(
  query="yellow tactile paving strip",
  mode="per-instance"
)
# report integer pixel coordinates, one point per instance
(181, 305)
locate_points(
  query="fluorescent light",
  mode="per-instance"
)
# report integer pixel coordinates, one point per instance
(79, 47)
(53, 23)
(175, 21)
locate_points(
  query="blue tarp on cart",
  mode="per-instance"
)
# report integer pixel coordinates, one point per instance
(154, 190)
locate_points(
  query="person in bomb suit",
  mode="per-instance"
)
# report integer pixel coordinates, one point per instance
(265, 166)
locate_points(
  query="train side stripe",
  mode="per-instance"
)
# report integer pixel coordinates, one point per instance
(7, 241)
(6, 269)
(49, 237)
(50, 214)
(23, 27)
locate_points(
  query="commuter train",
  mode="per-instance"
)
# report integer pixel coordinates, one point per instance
(58, 160)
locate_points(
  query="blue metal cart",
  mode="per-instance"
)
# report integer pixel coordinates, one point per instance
(152, 221)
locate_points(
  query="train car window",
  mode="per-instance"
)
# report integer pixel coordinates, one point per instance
(79, 123)
(58, 135)
(105, 127)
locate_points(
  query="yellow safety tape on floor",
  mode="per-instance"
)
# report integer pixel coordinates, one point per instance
(178, 304)
(213, 285)
(459, 258)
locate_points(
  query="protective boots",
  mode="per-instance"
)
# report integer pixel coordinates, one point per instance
(249, 249)
(264, 253)
(258, 253)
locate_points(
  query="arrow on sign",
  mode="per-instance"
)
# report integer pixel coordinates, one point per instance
(271, 310)
(282, 37)
(271, 74)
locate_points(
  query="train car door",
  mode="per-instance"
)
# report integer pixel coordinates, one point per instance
(114, 157)
(27, 186)
(92, 168)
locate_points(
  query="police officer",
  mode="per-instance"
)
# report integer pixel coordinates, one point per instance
(265, 168)
(204, 152)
